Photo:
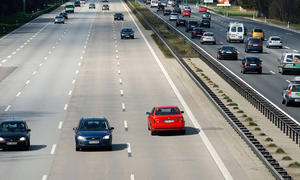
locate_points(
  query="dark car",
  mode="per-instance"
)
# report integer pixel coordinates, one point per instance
(92, 6)
(64, 14)
(160, 8)
(254, 44)
(167, 12)
(251, 64)
(104, 0)
(205, 23)
(127, 33)
(105, 7)
(177, 10)
(14, 134)
(227, 52)
(93, 132)
(197, 32)
(118, 16)
(190, 25)
(180, 22)
(77, 4)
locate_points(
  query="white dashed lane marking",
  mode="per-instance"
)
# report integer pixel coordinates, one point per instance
(122, 92)
(131, 176)
(70, 93)
(73, 82)
(27, 82)
(34, 72)
(66, 107)
(126, 125)
(18, 94)
(272, 72)
(7, 108)
(60, 124)
(129, 150)
(53, 149)
(44, 177)
(123, 107)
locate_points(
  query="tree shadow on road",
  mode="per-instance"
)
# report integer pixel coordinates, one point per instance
(188, 131)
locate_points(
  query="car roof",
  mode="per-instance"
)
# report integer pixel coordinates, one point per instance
(274, 37)
(158, 107)
(227, 46)
(93, 118)
(253, 57)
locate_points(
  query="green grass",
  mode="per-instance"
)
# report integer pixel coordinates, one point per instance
(269, 139)
(279, 151)
(162, 46)
(220, 91)
(235, 107)
(252, 123)
(244, 115)
(234, 11)
(286, 158)
(294, 165)
(257, 129)
(232, 104)
(249, 119)
(262, 134)
(272, 145)
(240, 111)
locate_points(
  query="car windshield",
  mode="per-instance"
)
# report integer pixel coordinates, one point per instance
(167, 111)
(254, 41)
(69, 6)
(58, 17)
(205, 21)
(208, 34)
(13, 127)
(127, 30)
(118, 14)
(275, 39)
(252, 60)
(258, 30)
(296, 88)
(93, 125)
(228, 48)
(233, 29)
(198, 30)
(240, 29)
(193, 23)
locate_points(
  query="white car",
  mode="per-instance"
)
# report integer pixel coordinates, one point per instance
(274, 41)
(171, 2)
(208, 37)
(173, 17)
(235, 32)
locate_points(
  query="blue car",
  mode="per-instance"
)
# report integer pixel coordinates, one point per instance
(92, 133)
(254, 44)
(14, 134)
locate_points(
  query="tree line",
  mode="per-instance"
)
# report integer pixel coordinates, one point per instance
(284, 10)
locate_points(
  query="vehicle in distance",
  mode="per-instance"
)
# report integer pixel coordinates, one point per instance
(104, 0)
(173, 17)
(197, 32)
(227, 52)
(177, 10)
(148, 1)
(118, 16)
(257, 32)
(69, 7)
(289, 62)
(235, 32)
(160, 8)
(165, 118)
(208, 37)
(254, 44)
(154, 3)
(274, 41)
(202, 9)
(77, 3)
(14, 134)
(205, 23)
(180, 22)
(127, 33)
(171, 2)
(105, 7)
(167, 12)
(186, 7)
(251, 64)
(190, 25)
(59, 20)
(291, 94)
(163, 3)
(186, 13)
(64, 14)
(82, 1)
(93, 132)
(92, 6)
(206, 15)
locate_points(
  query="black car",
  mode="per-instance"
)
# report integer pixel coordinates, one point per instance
(177, 10)
(167, 12)
(197, 32)
(254, 44)
(127, 33)
(205, 23)
(14, 134)
(93, 132)
(118, 16)
(160, 8)
(105, 7)
(77, 4)
(64, 14)
(190, 25)
(92, 6)
(227, 52)
(180, 22)
(251, 64)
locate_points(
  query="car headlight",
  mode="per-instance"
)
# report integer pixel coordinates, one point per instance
(106, 137)
(22, 139)
(1, 139)
(80, 138)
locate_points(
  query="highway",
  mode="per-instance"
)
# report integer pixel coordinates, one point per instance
(54, 74)
(270, 83)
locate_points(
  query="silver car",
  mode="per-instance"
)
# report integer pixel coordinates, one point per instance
(173, 17)
(206, 16)
(105, 7)
(208, 37)
(59, 20)
(274, 41)
(291, 94)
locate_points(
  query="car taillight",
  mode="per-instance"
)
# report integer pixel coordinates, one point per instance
(203, 37)
(283, 64)
(245, 64)
(235, 52)
(250, 44)
(214, 37)
(290, 91)
(194, 32)
(260, 45)
(259, 65)
(221, 52)
(180, 120)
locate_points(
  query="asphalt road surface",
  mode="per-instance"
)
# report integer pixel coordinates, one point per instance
(54, 74)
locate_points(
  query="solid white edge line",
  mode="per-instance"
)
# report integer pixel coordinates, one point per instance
(27, 82)
(66, 107)
(128, 148)
(226, 174)
(237, 76)
(19, 93)
(53, 149)
(123, 107)
(60, 124)
(44, 177)
(121, 92)
(131, 176)
(70, 93)
(121, 81)
(125, 125)
(7, 108)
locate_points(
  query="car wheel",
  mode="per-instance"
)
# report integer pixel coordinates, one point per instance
(182, 132)
(214, 43)
(77, 148)
(121, 37)
(109, 148)
(246, 50)
(193, 37)
(268, 46)
(186, 30)
(287, 103)
(280, 47)
(132, 37)
(261, 51)
(260, 71)
(243, 71)
(283, 101)
(283, 72)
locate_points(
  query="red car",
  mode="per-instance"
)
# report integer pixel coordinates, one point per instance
(186, 13)
(165, 118)
(202, 9)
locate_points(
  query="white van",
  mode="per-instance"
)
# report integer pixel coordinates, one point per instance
(154, 3)
(235, 32)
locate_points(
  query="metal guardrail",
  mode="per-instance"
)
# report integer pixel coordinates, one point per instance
(277, 171)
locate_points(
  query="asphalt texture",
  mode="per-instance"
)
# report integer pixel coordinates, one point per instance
(270, 83)
(54, 74)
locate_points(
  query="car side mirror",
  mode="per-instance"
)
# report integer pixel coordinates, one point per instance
(111, 128)
(147, 113)
(75, 128)
(182, 112)
(28, 130)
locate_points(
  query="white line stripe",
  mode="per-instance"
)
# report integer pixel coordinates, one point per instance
(19, 93)
(121, 81)
(81, 57)
(60, 124)
(295, 50)
(27, 82)
(41, 64)
(286, 47)
(44, 177)
(226, 174)
(77, 72)
(4, 60)
(18, 49)
(73, 82)
(117, 51)
(288, 81)
(123, 106)
(119, 71)
(121, 92)
(131, 176)
(125, 125)
(34, 72)
(70, 92)
(7, 108)
(53, 149)
(272, 72)
(128, 148)
(45, 58)
(83, 52)
(118, 63)
(49, 52)
(79, 64)
(9, 56)
(117, 56)
(66, 107)
(14, 53)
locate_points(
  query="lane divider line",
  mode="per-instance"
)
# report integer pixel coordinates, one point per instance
(27, 82)
(7, 108)
(125, 125)
(60, 124)
(53, 149)
(121, 92)
(19, 93)
(129, 150)
(66, 107)
(70, 93)
(131, 176)
(34, 72)
(119, 71)
(73, 82)
(44, 177)
(123, 107)
(121, 81)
